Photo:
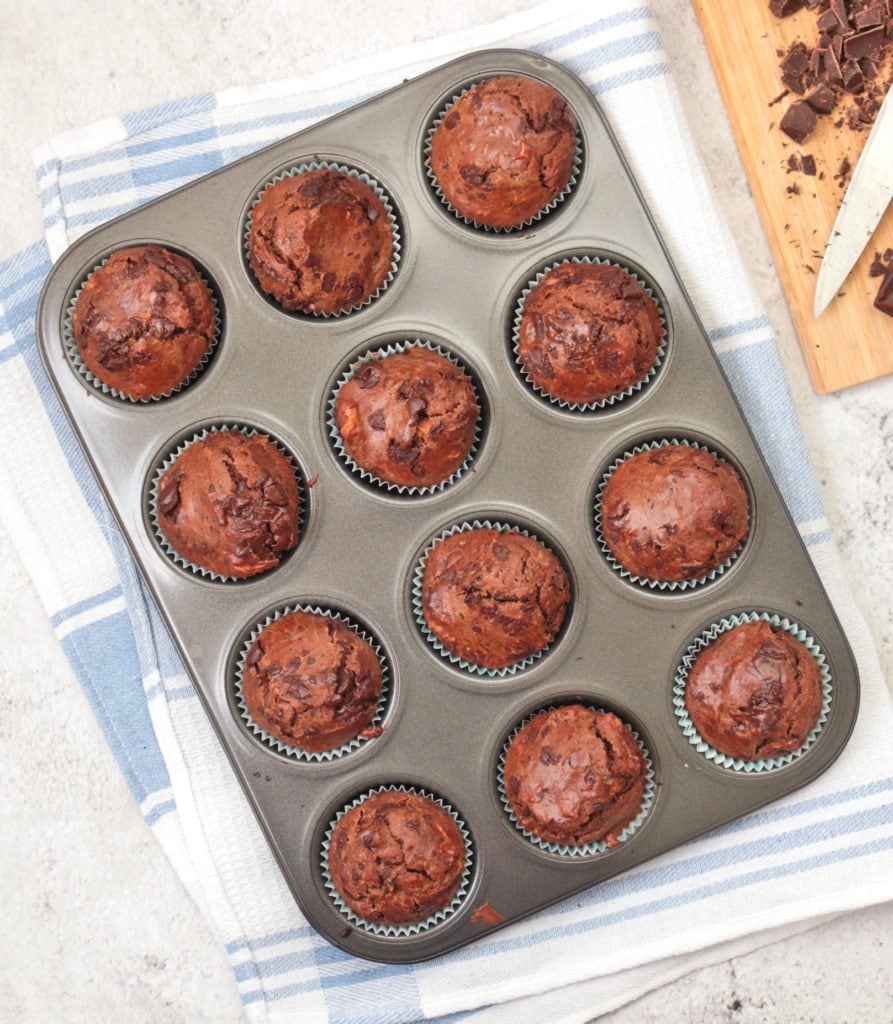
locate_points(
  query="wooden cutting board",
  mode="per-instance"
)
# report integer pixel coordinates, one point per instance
(852, 341)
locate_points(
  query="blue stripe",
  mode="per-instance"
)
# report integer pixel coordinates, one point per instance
(625, 78)
(819, 537)
(593, 28)
(741, 327)
(165, 807)
(618, 49)
(163, 113)
(184, 167)
(8, 353)
(169, 143)
(88, 602)
(758, 380)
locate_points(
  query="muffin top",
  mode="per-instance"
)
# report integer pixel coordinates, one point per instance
(493, 597)
(588, 331)
(396, 858)
(755, 692)
(504, 150)
(311, 681)
(574, 776)
(408, 418)
(320, 241)
(674, 513)
(229, 503)
(143, 321)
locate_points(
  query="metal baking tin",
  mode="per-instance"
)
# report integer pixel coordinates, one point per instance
(538, 466)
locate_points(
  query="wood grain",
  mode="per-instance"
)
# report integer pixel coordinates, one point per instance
(852, 341)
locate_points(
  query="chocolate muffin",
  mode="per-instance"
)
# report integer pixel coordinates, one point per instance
(588, 331)
(144, 321)
(574, 776)
(408, 418)
(320, 241)
(674, 513)
(755, 692)
(229, 503)
(311, 681)
(504, 150)
(493, 597)
(396, 858)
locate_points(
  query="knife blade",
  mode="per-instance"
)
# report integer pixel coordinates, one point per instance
(866, 199)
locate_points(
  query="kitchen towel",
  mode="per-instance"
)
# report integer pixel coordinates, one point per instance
(823, 850)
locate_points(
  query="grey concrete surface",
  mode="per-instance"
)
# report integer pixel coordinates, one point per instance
(96, 925)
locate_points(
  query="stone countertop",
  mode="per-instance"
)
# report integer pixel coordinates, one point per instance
(97, 925)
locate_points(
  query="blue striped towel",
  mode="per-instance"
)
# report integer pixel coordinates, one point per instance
(822, 850)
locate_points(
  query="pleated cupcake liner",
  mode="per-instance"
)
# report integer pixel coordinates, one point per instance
(444, 652)
(401, 930)
(548, 208)
(580, 850)
(366, 179)
(603, 403)
(74, 356)
(169, 550)
(644, 581)
(293, 751)
(335, 433)
(700, 644)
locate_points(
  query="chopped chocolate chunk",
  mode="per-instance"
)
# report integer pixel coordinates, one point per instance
(782, 8)
(884, 299)
(799, 121)
(871, 16)
(793, 163)
(793, 84)
(865, 44)
(796, 60)
(877, 267)
(840, 12)
(808, 165)
(822, 99)
(853, 79)
(827, 22)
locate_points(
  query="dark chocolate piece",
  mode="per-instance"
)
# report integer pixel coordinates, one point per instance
(884, 299)
(799, 121)
(822, 99)
(853, 79)
(808, 165)
(865, 44)
(782, 8)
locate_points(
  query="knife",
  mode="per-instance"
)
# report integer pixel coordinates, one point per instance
(866, 199)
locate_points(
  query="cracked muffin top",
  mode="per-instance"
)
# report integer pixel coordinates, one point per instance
(396, 858)
(493, 597)
(674, 513)
(504, 150)
(229, 503)
(588, 331)
(754, 692)
(574, 776)
(408, 418)
(143, 321)
(311, 681)
(320, 241)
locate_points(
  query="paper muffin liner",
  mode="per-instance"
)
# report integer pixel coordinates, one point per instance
(74, 356)
(643, 581)
(603, 403)
(171, 458)
(401, 930)
(703, 641)
(454, 659)
(335, 434)
(435, 185)
(291, 751)
(353, 172)
(581, 849)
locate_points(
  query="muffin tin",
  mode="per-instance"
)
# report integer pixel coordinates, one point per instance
(537, 467)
